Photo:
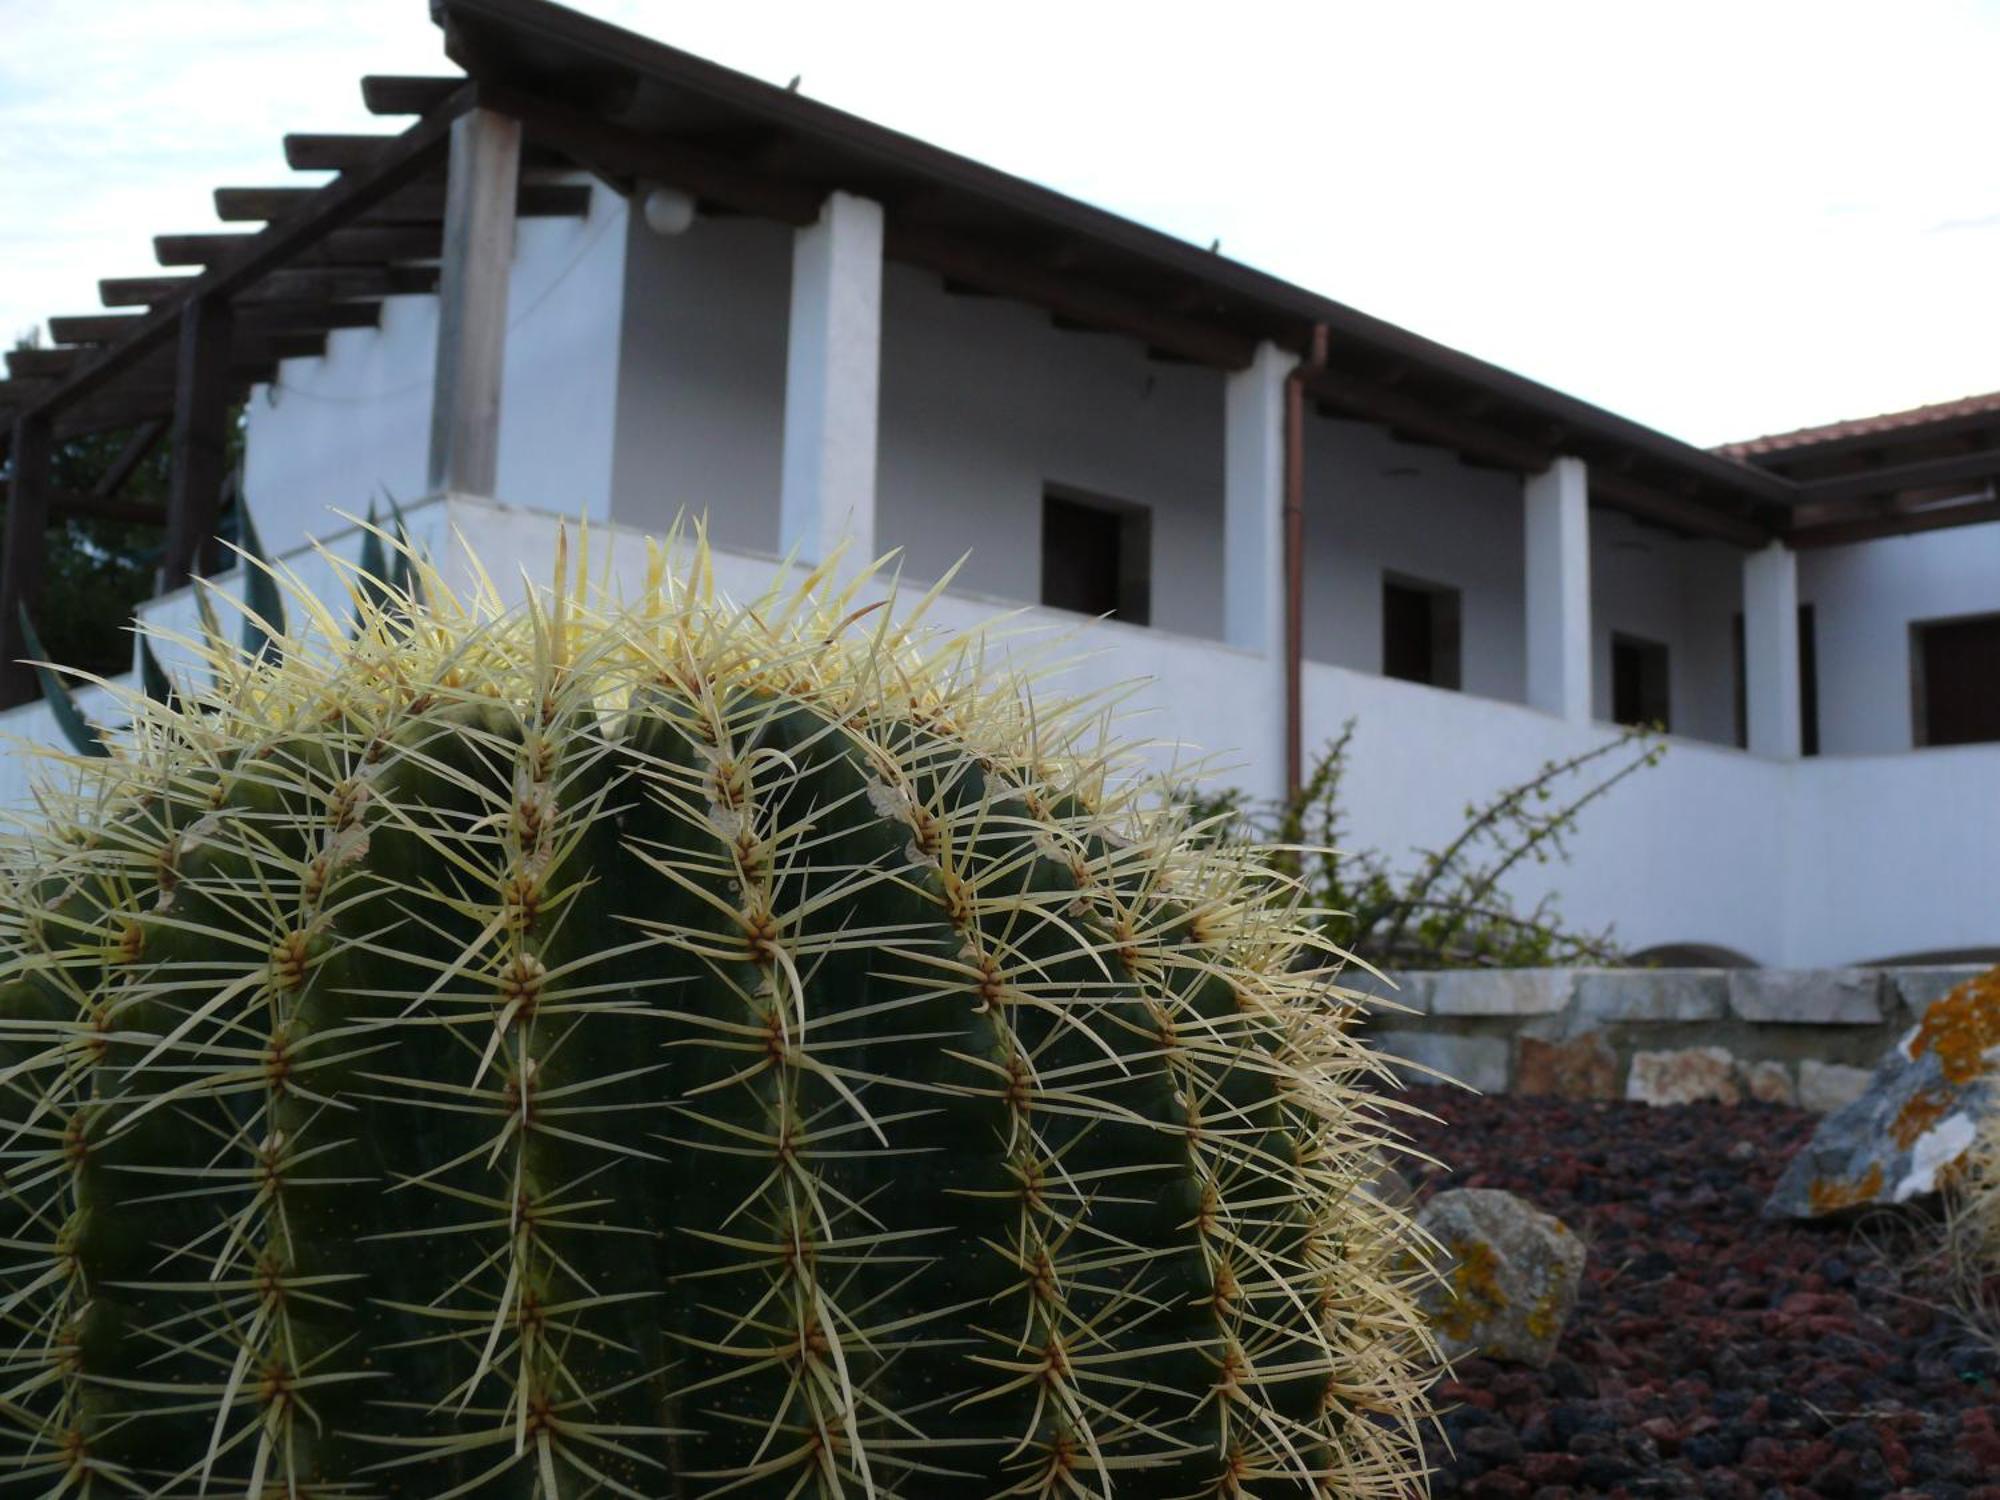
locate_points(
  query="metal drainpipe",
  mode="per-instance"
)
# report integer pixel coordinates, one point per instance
(1295, 555)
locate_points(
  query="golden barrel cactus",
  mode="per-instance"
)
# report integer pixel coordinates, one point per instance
(672, 1049)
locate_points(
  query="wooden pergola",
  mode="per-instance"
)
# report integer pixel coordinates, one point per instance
(548, 92)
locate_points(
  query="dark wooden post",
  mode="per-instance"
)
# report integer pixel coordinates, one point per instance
(26, 542)
(201, 439)
(472, 302)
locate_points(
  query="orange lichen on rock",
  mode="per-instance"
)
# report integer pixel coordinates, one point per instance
(1830, 1197)
(1920, 1111)
(1961, 1027)
(1545, 1318)
(1475, 1288)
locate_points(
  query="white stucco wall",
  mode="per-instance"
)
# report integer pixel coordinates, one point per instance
(342, 430)
(701, 379)
(1683, 594)
(985, 402)
(1817, 862)
(1864, 599)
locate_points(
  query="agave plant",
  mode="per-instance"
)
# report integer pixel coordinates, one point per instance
(673, 1049)
(379, 579)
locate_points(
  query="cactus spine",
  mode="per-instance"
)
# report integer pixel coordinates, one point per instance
(675, 1049)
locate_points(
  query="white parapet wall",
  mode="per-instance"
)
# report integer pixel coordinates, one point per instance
(1816, 862)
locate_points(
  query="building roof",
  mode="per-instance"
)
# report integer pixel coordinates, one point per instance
(1887, 426)
(635, 111)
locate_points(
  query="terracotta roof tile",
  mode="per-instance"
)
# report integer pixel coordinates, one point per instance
(1895, 421)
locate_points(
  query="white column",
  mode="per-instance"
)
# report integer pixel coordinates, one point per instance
(1557, 504)
(1253, 538)
(1771, 650)
(832, 377)
(483, 174)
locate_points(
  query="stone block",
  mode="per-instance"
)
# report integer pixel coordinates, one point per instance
(1479, 1062)
(1807, 997)
(1389, 994)
(1683, 1076)
(1501, 992)
(1825, 1087)
(1919, 989)
(1584, 1067)
(1608, 996)
(1769, 1082)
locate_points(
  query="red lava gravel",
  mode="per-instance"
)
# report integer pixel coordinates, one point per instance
(1712, 1353)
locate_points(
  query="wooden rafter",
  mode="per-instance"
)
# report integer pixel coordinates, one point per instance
(402, 94)
(253, 318)
(335, 206)
(345, 247)
(1894, 523)
(421, 203)
(327, 283)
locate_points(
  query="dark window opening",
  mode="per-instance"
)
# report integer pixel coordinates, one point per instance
(1097, 557)
(1956, 680)
(1639, 682)
(1420, 632)
(1808, 683)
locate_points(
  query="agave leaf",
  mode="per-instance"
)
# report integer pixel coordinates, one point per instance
(83, 736)
(374, 578)
(266, 604)
(152, 676)
(404, 579)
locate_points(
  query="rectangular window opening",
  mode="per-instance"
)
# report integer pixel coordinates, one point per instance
(1955, 680)
(1639, 682)
(1097, 556)
(1421, 632)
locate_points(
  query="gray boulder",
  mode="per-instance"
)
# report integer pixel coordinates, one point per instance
(1914, 1121)
(1508, 1277)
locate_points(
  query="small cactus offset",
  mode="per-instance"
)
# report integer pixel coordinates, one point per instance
(672, 1049)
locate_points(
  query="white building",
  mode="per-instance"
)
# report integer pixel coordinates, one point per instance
(720, 297)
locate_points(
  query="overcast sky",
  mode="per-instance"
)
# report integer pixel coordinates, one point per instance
(1722, 219)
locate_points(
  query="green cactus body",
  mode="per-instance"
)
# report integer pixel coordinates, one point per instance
(673, 1051)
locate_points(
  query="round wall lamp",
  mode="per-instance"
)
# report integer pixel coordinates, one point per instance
(668, 210)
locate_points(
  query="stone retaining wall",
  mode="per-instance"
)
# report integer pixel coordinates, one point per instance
(1661, 1036)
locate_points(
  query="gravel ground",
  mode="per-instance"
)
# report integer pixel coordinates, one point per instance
(1711, 1353)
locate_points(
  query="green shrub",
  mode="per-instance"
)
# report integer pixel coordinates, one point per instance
(1452, 909)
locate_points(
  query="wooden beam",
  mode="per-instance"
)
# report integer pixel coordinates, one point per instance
(252, 318)
(1903, 523)
(201, 440)
(421, 203)
(1948, 468)
(1085, 303)
(472, 303)
(144, 439)
(622, 154)
(401, 94)
(345, 247)
(332, 153)
(26, 541)
(337, 205)
(40, 364)
(1428, 421)
(1635, 497)
(330, 283)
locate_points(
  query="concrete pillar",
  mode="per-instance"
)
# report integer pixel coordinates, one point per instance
(1771, 650)
(1557, 504)
(481, 184)
(832, 380)
(1253, 538)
